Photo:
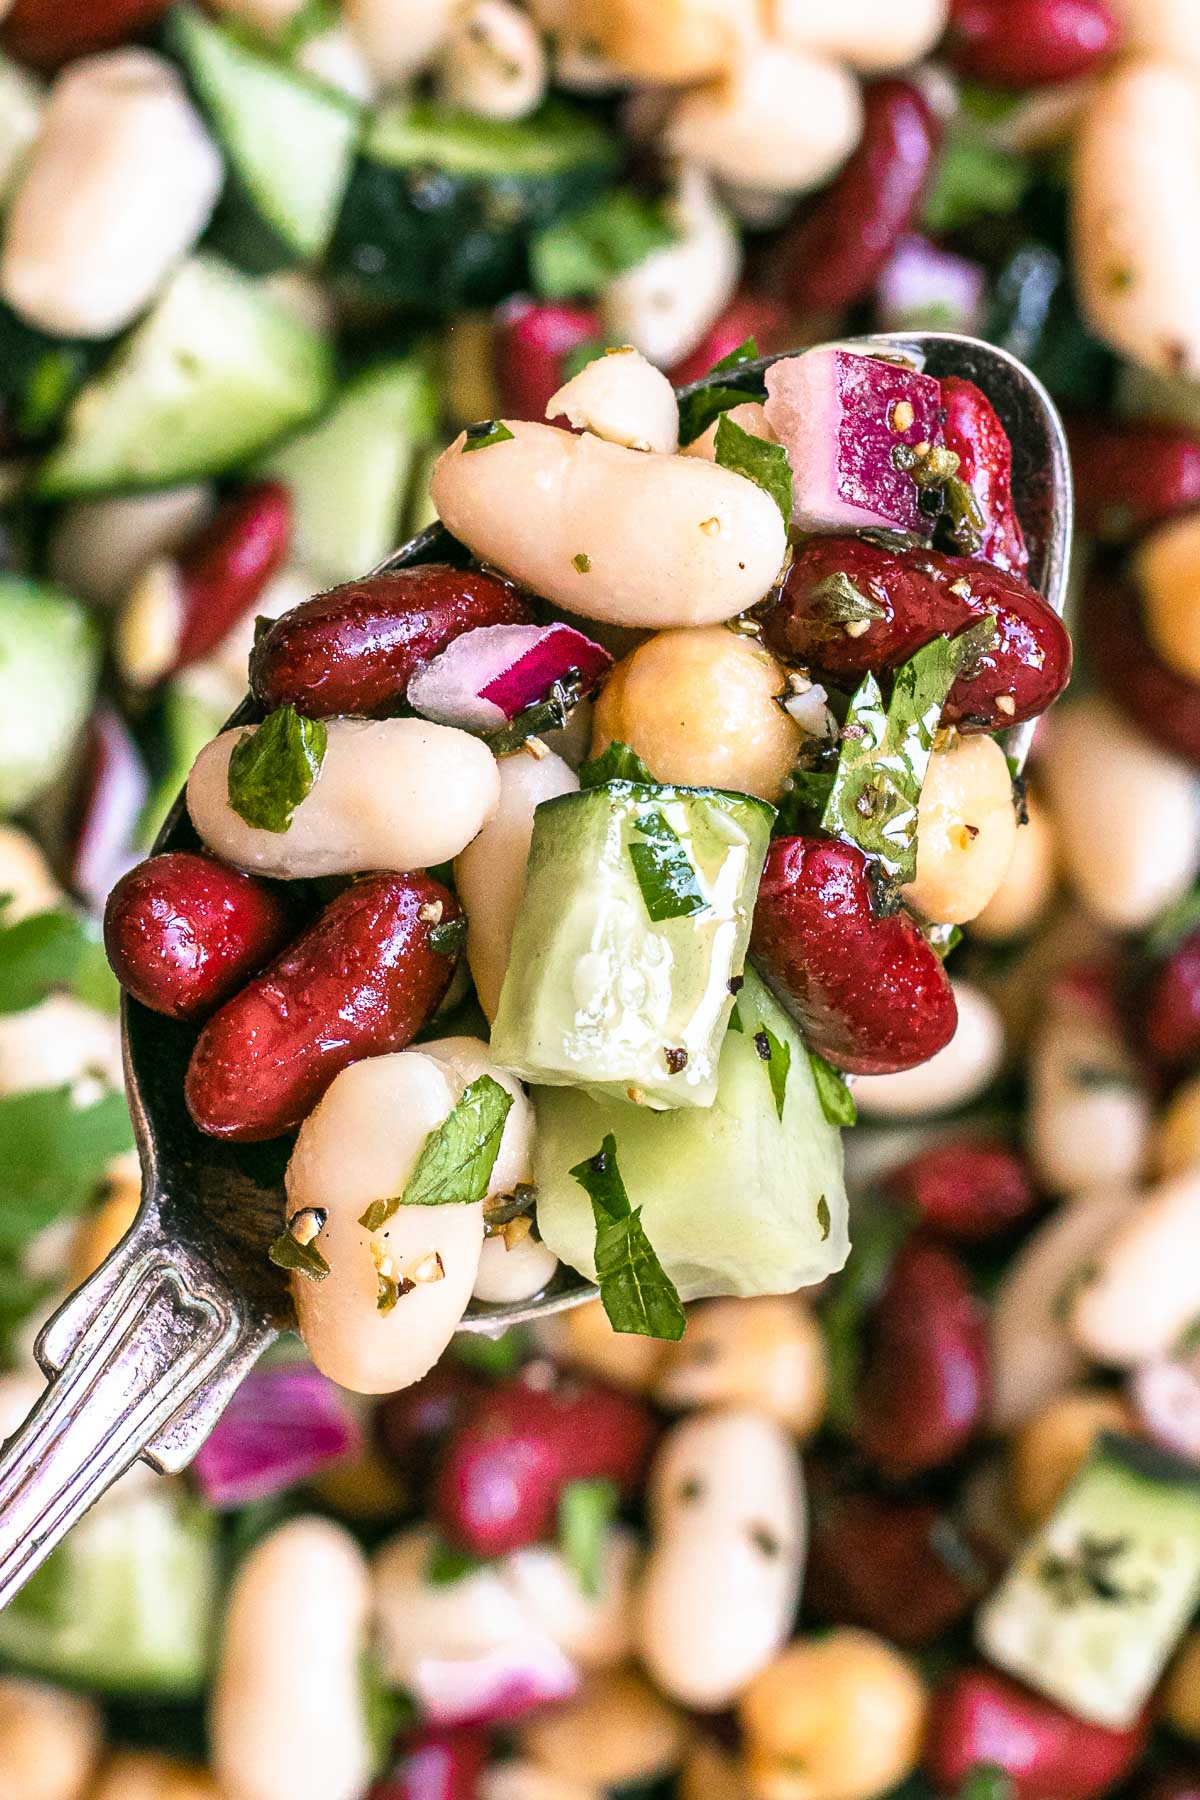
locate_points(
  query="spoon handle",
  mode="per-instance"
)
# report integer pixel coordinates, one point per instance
(141, 1360)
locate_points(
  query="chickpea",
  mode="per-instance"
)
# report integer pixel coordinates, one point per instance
(622, 398)
(702, 708)
(666, 40)
(833, 1718)
(617, 1729)
(768, 1353)
(49, 1741)
(584, 1339)
(966, 830)
(144, 1775)
(493, 63)
(1049, 1448)
(1027, 889)
(1177, 1138)
(1180, 1696)
(1167, 568)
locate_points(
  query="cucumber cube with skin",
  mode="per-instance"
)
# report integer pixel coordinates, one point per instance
(1095, 1604)
(635, 922)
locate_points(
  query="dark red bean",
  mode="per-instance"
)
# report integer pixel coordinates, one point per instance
(530, 347)
(437, 1765)
(833, 257)
(898, 1567)
(413, 1425)
(225, 568)
(979, 1716)
(48, 32)
(1028, 43)
(356, 648)
(1129, 476)
(968, 1189)
(1170, 1014)
(183, 932)
(747, 316)
(868, 992)
(503, 1472)
(922, 594)
(972, 429)
(360, 981)
(1164, 703)
(924, 1385)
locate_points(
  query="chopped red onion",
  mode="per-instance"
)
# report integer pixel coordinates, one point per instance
(923, 286)
(282, 1426)
(1166, 1396)
(107, 808)
(436, 1765)
(498, 1685)
(486, 677)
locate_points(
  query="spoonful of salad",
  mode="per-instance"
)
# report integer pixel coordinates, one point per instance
(515, 939)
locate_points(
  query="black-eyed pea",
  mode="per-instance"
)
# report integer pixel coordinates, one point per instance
(1142, 1287)
(666, 303)
(287, 1718)
(493, 63)
(1179, 1699)
(966, 830)
(1027, 889)
(767, 1353)
(839, 1717)
(871, 35)
(622, 398)
(50, 1741)
(1088, 1116)
(1049, 1448)
(1167, 569)
(145, 1775)
(702, 708)
(721, 1583)
(617, 1730)
(1176, 1145)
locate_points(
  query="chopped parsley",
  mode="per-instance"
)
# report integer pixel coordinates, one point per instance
(484, 433)
(586, 1510)
(764, 464)
(272, 769)
(457, 1157)
(636, 1292)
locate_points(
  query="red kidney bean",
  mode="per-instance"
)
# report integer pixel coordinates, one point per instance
(413, 1425)
(183, 932)
(835, 254)
(968, 1189)
(437, 1765)
(922, 594)
(1170, 1012)
(1028, 43)
(360, 981)
(924, 1385)
(898, 1567)
(229, 562)
(530, 346)
(747, 316)
(48, 32)
(1164, 703)
(979, 1716)
(503, 1472)
(1130, 475)
(356, 648)
(972, 429)
(868, 992)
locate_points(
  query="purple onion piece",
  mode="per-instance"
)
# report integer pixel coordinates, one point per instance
(495, 1687)
(107, 808)
(484, 678)
(922, 286)
(282, 1426)
(1166, 1398)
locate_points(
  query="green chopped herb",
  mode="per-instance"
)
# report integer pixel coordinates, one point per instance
(617, 763)
(586, 1510)
(764, 464)
(1170, 928)
(312, 19)
(548, 714)
(448, 936)
(963, 515)
(53, 952)
(582, 562)
(273, 768)
(839, 601)
(943, 938)
(495, 1356)
(779, 1062)
(879, 1232)
(837, 1102)
(447, 1565)
(735, 1019)
(302, 1259)
(823, 1219)
(485, 432)
(637, 1294)
(581, 254)
(666, 874)
(745, 352)
(697, 411)
(54, 1154)
(576, 360)
(457, 1157)
(986, 1781)
(973, 179)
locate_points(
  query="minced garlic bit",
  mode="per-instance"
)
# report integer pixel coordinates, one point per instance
(856, 628)
(710, 527)
(516, 1231)
(535, 748)
(431, 912)
(637, 1095)
(430, 1267)
(307, 1224)
(902, 415)
(1006, 704)
(961, 588)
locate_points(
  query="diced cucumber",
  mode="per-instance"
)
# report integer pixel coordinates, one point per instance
(126, 1603)
(1093, 1607)
(735, 1200)
(283, 206)
(441, 204)
(636, 917)
(49, 663)
(187, 722)
(20, 113)
(216, 373)
(350, 475)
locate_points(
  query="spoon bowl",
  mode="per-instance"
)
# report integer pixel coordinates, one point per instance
(144, 1356)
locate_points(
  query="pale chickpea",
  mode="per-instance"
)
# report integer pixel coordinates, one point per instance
(145, 1775)
(585, 1339)
(711, 1773)
(1027, 889)
(702, 708)
(49, 1741)
(1176, 1146)
(1050, 1447)
(966, 830)
(617, 1729)
(1180, 1697)
(99, 1232)
(666, 40)
(834, 1718)
(767, 1352)
(1167, 569)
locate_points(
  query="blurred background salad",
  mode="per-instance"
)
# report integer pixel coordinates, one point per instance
(259, 261)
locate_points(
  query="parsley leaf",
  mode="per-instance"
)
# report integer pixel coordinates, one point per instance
(636, 1291)
(698, 410)
(485, 432)
(53, 1155)
(581, 254)
(586, 1509)
(778, 1058)
(617, 763)
(837, 1102)
(986, 1781)
(666, 874)
(273, 769)
(447, 1565)
(765, 464)
(304, 1259)
(746, 351)
(458, 1156)
(973, 179)
(53, 952)
(838, 601)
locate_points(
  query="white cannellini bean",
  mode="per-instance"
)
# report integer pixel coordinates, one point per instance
(780, 120)
(623, 399)
(50, 1741)
(1028, 886)
(145, 1775)
(337, 58)
(966, 831)
(1143, 1289)
(287, 1719)
(493, 63)
(1137, 252)
(399, 38)
(119, 185)
(464, 1060)
(871, 35)
(360, 1145)
(1034, 1357)
(1167, 567)
(98, 548)
(490, 873)
(750, 415)
(664, 305)
(1088, 1118)
(661, 540)
(60, 1042)
(1125, 813)
(720, 1587)
(511, 1271)
(26, 879)
(391, 794)
(1166, 28)
(969, 1063)
(594, 1630)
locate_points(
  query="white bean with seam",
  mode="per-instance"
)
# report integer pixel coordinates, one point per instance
(493, 63)
(666, 303)
(1143, 1286)
(622, 398)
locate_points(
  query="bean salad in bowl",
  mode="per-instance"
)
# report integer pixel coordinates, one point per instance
(629, 887)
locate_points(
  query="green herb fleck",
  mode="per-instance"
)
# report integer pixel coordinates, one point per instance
(764, 464)
(837, 1102)
(666, 874)
(878, 1234)
(745, 352)
(617, 763)
(484, 433)
(302, 1259)
(273, 768)
(735, 1019)
(582, 562)
(636, 1292)
(54, 1153)
(779, 1062)
(1089, 1574)
(974, 179)
(986, 1781)
(457, 1157)
(53, 952)
(838, 601)
(447, 1565)
(586, 1510)
(698, 410)
(823, 1219)
(581, 254)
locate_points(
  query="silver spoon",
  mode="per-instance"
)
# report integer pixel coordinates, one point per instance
(143, 1357)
